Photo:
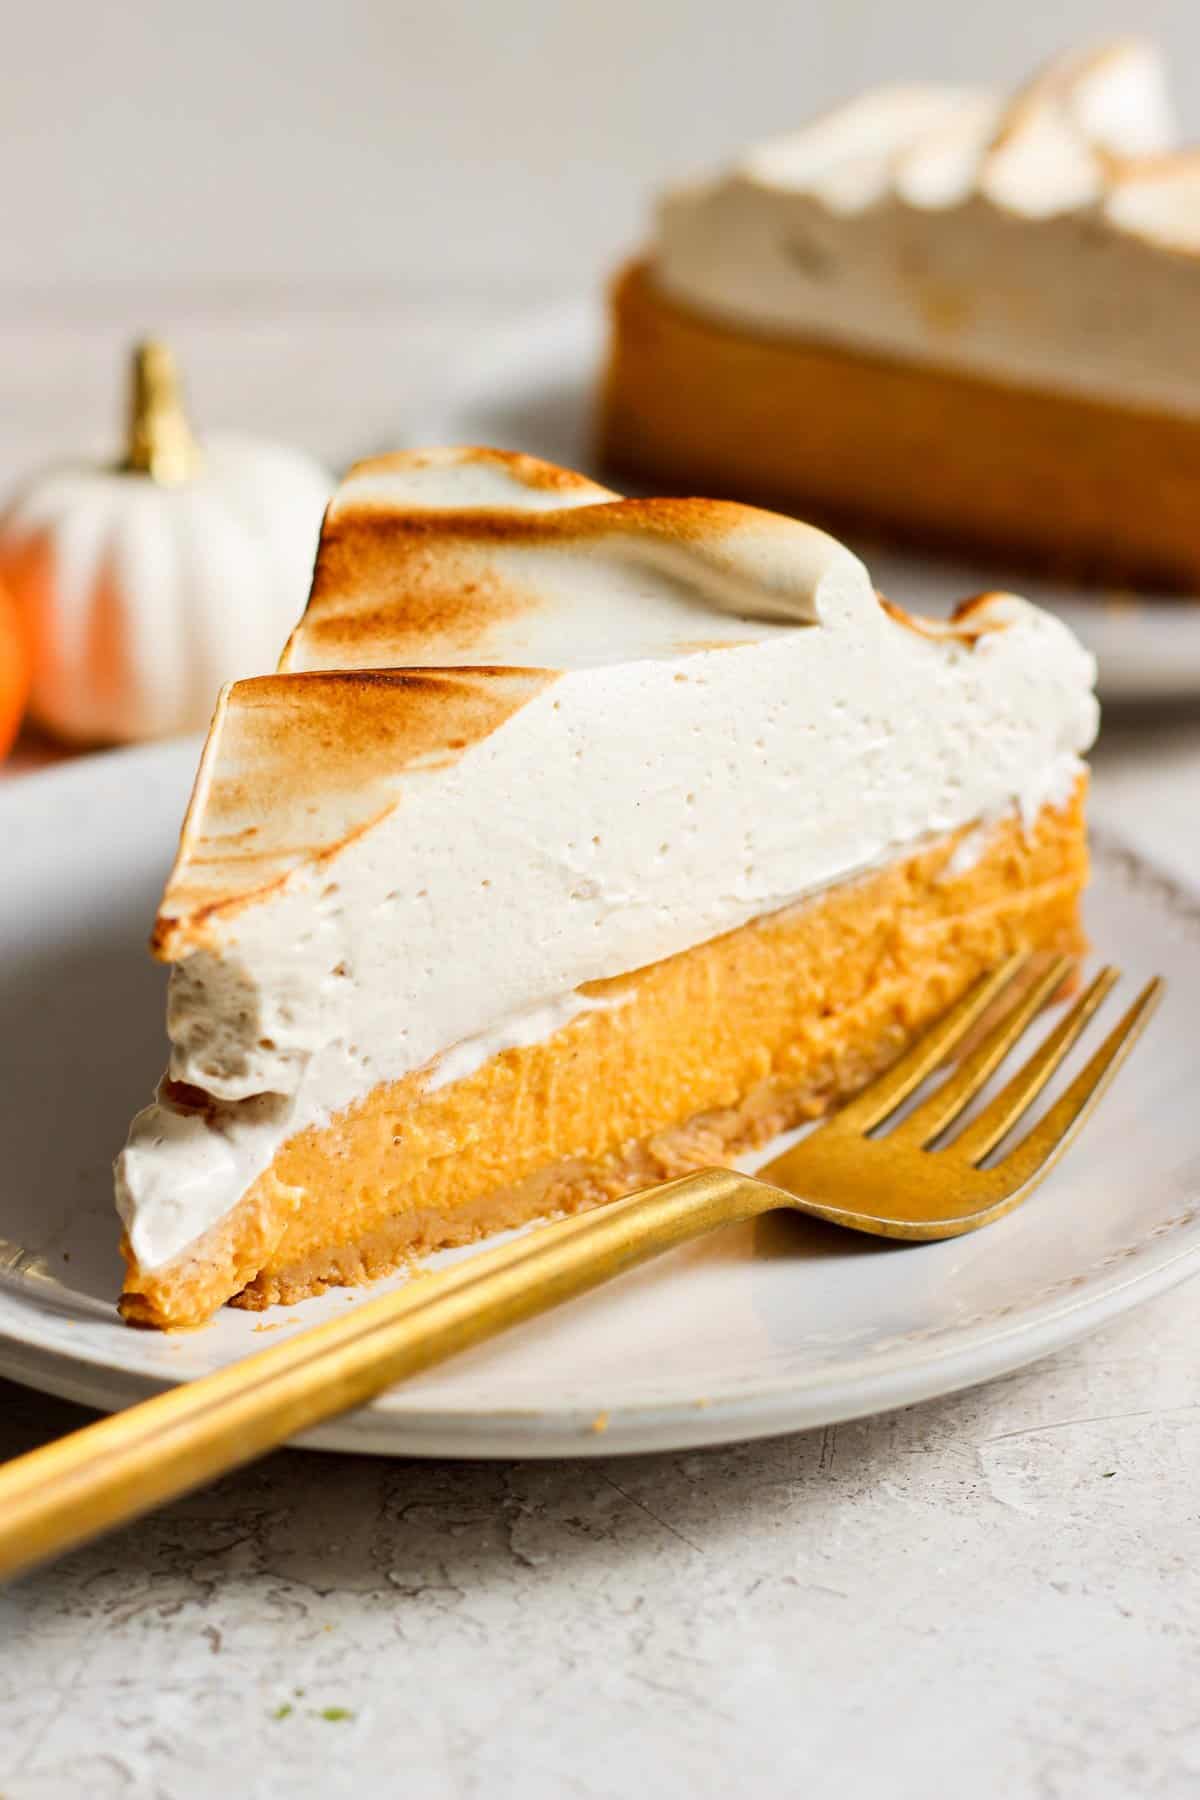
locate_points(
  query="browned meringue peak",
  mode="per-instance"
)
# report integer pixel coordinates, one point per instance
(1056, 146)
(1158, 199)
(463, 556)
(971, 619)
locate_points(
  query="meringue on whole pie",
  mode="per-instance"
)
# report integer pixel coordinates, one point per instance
(952, 315)
(578, 841)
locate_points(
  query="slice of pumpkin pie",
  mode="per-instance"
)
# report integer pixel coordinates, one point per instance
(578, 841)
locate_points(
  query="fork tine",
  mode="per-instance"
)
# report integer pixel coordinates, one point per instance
(897, 1083)
(934, 1114)
(1037, 1152)
(997, 1120)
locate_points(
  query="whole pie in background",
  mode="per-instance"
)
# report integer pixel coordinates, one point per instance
(956, 317)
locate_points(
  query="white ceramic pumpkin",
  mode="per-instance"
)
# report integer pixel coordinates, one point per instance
(147, 586)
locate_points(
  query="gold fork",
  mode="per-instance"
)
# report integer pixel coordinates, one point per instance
(893, 1185)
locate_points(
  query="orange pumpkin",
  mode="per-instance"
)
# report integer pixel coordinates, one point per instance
(14, 671)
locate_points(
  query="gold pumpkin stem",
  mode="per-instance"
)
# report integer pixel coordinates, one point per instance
(161, 444)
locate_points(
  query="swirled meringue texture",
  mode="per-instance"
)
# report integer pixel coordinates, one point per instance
(529, 736)
(1051, 238)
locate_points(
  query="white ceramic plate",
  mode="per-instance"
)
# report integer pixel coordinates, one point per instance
(757, 1330)
(531, 387)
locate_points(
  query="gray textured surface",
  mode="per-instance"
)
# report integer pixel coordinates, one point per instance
(995, 1593)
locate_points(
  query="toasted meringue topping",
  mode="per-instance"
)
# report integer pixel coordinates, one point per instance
(1014, 236)
(1052, 148)
(1159, 201)
(620, 728)
(432, 561)
(848, 158)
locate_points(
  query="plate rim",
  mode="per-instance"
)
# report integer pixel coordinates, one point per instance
(640, 1427)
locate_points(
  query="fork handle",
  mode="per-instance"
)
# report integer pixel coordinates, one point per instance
(108, 1473)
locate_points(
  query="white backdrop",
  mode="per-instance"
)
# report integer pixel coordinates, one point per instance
(247, 143)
